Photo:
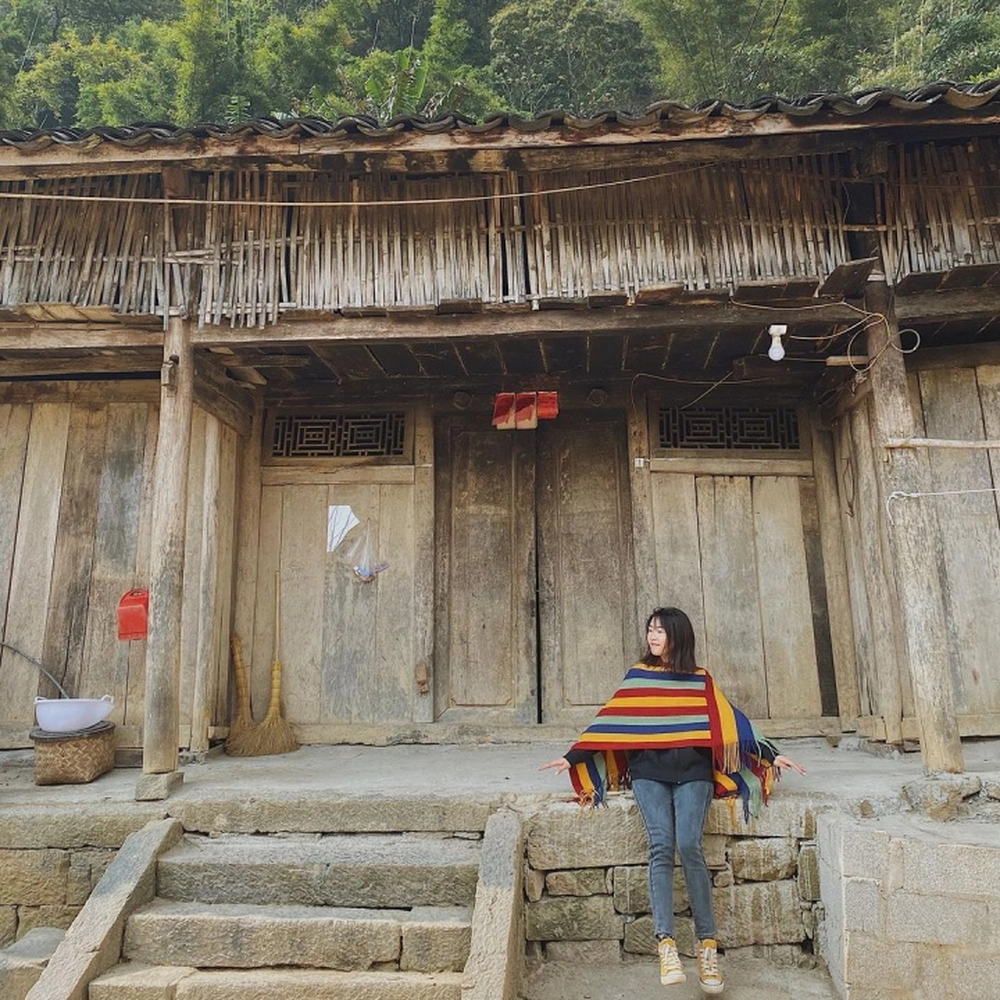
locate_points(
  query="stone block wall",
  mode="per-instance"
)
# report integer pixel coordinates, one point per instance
(587, 891)
(911, 908)
(49, 868)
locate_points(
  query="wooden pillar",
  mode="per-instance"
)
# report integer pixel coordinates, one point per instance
(912, 530)
(166, 558)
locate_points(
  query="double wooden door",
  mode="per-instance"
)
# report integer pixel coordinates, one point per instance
(535, 617)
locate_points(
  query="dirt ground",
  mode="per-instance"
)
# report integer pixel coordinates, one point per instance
(747, 978)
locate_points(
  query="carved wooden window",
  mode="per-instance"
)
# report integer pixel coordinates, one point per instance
(357, 434)
(729, 428)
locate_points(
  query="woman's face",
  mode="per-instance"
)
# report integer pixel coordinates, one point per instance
(656, 638)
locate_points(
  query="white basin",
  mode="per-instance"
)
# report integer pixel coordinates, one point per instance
(66, 715)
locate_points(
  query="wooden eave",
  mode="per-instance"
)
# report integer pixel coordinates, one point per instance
(458, 151)
(408, 353)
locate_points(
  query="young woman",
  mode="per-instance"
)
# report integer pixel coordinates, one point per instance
(672, 736)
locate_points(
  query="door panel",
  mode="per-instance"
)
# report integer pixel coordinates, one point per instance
(485, 634)
(504, 623)
(586, 578)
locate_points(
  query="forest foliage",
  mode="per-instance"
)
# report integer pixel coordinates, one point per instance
(80, 63)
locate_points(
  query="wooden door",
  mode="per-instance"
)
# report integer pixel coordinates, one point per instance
(586, 581)
(485, 617)
(535, 616)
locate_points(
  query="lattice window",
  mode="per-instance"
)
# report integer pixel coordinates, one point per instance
(734, 428)
(338, 435)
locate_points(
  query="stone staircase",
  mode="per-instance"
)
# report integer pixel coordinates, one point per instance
(363, 916)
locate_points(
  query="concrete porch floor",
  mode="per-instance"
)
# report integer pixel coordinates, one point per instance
(865, 781)
(422, 783)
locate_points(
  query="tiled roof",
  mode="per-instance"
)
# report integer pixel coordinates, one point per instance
(957, 96)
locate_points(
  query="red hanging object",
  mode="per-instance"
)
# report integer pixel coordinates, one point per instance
(548, 405)
(503, 411)
(526, 411)
(133, 615)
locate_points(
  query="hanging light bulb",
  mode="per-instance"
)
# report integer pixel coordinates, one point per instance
(777, 350)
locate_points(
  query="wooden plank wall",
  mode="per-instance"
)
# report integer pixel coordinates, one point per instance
(74, 536)
(955, 404)
(731, 550)
(349, 648)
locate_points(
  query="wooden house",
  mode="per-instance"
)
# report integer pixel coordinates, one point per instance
(211, 338)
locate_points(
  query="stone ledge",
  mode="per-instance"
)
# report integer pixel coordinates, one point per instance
(92, 944)
(495, 965)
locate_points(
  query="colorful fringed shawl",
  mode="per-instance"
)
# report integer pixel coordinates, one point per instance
(655, 709)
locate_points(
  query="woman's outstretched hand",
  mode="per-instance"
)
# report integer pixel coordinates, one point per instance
(560, 764)
(786, 762)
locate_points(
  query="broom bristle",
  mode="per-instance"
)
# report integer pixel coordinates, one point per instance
(265, 739)
(272, 736)
(242, 722)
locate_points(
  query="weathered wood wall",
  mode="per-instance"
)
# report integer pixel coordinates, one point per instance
(350, 649)
(741, 554)
(952, 404)
(75, 472)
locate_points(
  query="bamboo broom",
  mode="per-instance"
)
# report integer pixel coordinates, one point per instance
(273, 734)
(243, 721)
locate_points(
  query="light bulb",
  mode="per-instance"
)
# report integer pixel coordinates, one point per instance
(777, 350)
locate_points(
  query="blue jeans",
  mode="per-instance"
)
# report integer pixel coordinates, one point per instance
(674, 816)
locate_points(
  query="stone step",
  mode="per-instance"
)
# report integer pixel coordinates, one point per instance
(246, 936)
(365, 869)
(21, 963)
(135, 982)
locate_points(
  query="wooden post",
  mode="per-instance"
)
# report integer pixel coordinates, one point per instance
(206, 665)
(166, 558)
(912, 530)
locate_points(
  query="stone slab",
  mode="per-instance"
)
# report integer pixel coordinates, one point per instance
(280, 813)
(764, 859)
(82, 824)
(37, 946)
(631, 889)
(566, 836)
(434, 945)
(131, 981)
(155, 787)
(232, 935)
(808, 874)
(33, 877)
(758, 913)
(337, 870)
(577, 882)
(161, 983)
(573, 918)
(584, 952)
(493, 971)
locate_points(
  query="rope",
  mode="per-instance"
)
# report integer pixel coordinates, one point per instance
(382, 203)
(905, 495)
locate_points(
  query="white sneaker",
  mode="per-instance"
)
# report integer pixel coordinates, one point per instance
(709, 976)
(671, 970)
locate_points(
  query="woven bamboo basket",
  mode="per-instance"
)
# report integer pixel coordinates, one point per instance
(73, 758)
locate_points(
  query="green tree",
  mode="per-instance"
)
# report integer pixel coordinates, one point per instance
(298, 67)
(208, 77)
(578, 55)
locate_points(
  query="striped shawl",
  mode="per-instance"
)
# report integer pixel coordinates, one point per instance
(655, 709)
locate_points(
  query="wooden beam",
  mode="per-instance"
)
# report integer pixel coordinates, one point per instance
(958, 356)
(922, 442)
(77, 336)
(161, 716)
(92, 364)
(499, 322)
(911, 535)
